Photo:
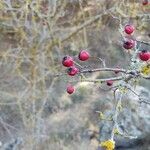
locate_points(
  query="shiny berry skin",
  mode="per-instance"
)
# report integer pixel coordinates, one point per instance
(72, 71)
(128, 43)
(83, 55)
(128, 29)
(145, 2)
(144, 55)
(70, 89)
(67, 61)
(109, 82)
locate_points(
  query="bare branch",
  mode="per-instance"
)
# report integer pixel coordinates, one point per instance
(103, 69)
(99, 80)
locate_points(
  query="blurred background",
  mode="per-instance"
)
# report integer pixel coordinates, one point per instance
(35, 111)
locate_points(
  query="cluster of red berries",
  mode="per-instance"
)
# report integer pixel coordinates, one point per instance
(68, 61)
(130, 43)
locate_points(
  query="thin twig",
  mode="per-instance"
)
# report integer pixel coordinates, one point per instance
(103, 69)
(116, 116)
(99, 80)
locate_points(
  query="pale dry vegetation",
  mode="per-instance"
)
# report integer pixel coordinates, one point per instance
(35, 111)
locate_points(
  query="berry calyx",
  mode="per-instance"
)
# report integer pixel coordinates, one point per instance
(67, 61)
(70, 89)
(145, 2)
(83, 55)
(129, 29)
(109, 82)
(72, 71)
(128, 43)
(144, 55)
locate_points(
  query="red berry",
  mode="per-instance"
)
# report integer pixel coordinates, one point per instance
(145, 2)
(144, 55)
(70, 89)
(128, 43)
(73, 71)
(129, 29)
(67, 61)
(109, 82)
(84, 55)
(116, 71)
